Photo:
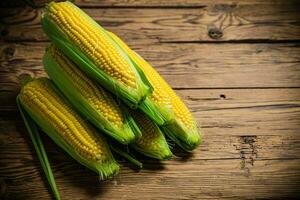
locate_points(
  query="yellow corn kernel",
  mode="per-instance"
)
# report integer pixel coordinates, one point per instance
(181, 111)
(50, 107)
(148, 129)
(92, 42)
(96, 96)
(152, 143)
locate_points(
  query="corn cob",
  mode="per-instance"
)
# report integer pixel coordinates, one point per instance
(90, 99)
(152, 143)
(158, 104)
(181, 126)
(87, 44)
(48, 108)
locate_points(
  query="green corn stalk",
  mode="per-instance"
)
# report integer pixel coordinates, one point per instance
(39, 148)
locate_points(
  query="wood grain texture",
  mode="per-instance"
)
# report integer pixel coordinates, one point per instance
(214, 22)
(236, 64)
(146, 3)
(183, 66)
(250, 142)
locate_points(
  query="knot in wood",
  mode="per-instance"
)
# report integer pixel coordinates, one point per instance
(215, 33)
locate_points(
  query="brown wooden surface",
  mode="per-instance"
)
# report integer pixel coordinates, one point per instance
(236, 64)
(233, 22)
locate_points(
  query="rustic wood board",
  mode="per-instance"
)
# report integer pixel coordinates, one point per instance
(246, 22)
(235, 64)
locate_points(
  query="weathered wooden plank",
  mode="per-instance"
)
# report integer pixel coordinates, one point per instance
(245, 112)
(216, 145)
(173, 3)
(206, 180)
(182, 65)
(145, 3)
(267, 164)
(198, 176)
(184, 180)
(213, 22)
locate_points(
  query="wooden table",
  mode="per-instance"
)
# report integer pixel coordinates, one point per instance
(236, 64)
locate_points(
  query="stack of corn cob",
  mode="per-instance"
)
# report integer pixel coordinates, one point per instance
(100, 90)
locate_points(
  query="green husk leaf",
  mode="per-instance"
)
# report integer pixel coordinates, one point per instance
(130, 121)
(39, 148)
(125, 135)
(159, 114)
(104, 169)
(127, 156)
(187, 139)
(130, 96)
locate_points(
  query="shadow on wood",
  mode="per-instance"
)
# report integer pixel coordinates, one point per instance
(183, 156)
